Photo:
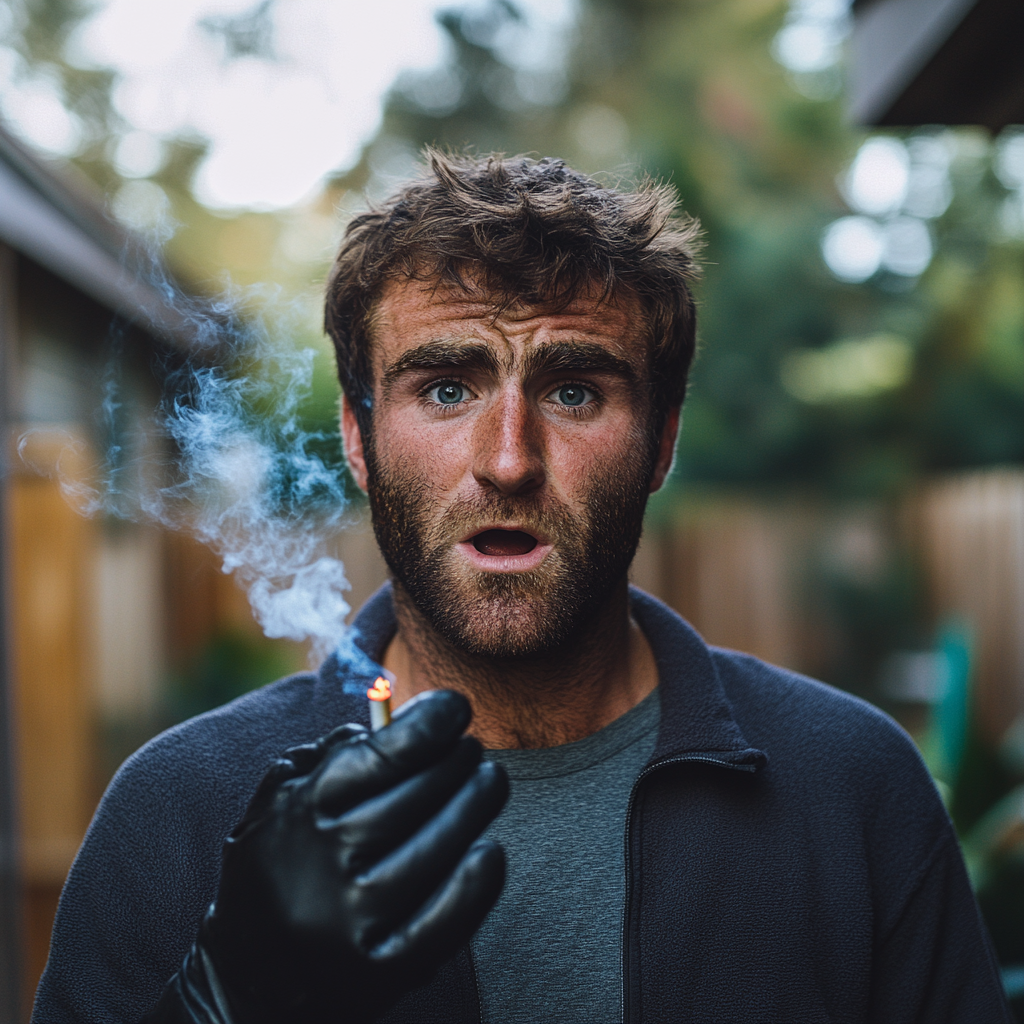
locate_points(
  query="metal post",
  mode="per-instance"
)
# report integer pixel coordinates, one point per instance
(10, 880)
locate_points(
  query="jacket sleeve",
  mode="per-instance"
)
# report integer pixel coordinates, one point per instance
(136, 892)
(934, 962)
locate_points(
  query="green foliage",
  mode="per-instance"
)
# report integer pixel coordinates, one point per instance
(982, 780)
(230, 665)
(707, 108)
(877, 613)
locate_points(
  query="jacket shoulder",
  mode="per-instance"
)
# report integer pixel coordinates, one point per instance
(261, 723)
(785, 709)
(190, 783)
(838, 760)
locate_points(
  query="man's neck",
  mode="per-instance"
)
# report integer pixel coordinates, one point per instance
(530, 703)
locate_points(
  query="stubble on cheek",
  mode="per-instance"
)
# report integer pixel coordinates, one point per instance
(510, 615)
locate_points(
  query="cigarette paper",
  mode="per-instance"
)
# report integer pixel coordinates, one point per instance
(379, 696)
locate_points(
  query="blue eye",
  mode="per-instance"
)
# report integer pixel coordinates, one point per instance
(449, 393)
(572, 395)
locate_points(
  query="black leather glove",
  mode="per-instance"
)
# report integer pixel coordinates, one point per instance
(355, 873)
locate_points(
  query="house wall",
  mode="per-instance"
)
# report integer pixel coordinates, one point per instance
(10, 887)
(85, 614)
(52, 553)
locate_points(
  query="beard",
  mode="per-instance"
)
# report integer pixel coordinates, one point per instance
(508, 615)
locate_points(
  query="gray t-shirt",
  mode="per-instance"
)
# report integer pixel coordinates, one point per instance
(551, 949)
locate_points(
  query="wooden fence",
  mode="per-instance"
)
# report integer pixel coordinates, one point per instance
(970, 532)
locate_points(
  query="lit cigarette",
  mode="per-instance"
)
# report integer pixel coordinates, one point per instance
(379, 696)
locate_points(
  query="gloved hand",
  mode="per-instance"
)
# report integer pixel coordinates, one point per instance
(355, 873)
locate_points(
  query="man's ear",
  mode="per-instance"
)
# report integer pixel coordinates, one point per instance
(666, 449)
(352, 438)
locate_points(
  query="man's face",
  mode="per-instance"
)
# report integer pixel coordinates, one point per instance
(510, 462)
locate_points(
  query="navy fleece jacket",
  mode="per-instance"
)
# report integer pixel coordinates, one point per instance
(787, 856)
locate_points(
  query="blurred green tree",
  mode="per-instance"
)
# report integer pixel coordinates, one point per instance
(689, 92)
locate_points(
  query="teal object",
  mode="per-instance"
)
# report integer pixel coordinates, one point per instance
(951, 711)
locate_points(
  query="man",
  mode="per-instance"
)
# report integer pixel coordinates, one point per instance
(691, 834)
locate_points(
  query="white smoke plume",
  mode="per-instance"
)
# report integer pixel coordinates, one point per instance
(236, 468)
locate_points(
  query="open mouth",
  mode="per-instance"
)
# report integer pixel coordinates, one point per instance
(504, 543)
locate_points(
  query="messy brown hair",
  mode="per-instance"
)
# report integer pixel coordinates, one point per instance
(528, 233)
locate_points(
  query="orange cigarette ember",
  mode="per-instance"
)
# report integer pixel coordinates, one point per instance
(379, 696)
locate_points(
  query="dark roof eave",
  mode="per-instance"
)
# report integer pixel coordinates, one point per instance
(953, 62)
(46, 220)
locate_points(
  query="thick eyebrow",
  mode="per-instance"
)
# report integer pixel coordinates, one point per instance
(579, 357)
(559, 357)
(440, 355)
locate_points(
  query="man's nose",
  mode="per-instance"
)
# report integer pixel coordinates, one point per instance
(508, 446)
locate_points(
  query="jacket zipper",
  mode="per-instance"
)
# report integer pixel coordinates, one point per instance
(650, 770)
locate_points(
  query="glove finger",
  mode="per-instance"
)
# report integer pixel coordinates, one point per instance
(432, 719)
(449, 920)
(423, 731)
(396, 887)
(294, 762)
(348, 731)
(276, 775)
(307, 756)
(376, 826)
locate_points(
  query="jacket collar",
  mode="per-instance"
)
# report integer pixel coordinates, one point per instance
(696, 719)
(340, 691)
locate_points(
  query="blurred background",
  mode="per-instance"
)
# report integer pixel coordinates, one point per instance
(848, 498)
